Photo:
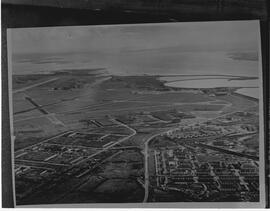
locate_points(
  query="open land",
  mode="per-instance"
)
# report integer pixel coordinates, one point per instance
(84, 137)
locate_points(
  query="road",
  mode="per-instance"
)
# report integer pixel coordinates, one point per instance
(96, 108)
(37, 106)
(50, 116)
(89, 157)
(46, 140)
(41, 108)
(41, 162)
(227, 151)
(34, 85)
(146, 168)
(112, 145)
(110, 110)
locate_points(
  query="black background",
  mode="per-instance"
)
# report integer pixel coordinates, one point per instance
(41, 13)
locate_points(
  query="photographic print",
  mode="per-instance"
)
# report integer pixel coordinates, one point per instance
(139, 113)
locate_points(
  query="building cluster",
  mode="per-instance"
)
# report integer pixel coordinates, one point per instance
(69, 155)
(51, 171)
(67, 149)
(214, 129)
(147, 117)
(240, 117)
(219, 91)
(198, 131)
(179, 170)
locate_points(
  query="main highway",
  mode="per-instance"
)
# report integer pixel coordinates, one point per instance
(146, 166)
(34, 85)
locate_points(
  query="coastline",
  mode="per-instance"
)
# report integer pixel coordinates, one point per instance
(246, 96)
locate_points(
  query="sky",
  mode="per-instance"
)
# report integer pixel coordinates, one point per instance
(195, 36)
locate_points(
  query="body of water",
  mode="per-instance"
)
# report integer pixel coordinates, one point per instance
(197, 69)
(213, 83)
(251, 87)
(252, 92)
(138, 62)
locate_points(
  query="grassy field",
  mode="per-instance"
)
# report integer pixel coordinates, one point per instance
(115, 181)
(32, 131)
(237, 103)
(119, 190)
(121, 173)
(19, 103)
(20, 81)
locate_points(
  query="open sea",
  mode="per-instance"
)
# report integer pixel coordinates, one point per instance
(152, 62)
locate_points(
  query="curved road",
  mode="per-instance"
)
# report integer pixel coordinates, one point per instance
(146, 168)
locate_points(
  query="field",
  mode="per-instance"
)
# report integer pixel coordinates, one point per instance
(115, 181)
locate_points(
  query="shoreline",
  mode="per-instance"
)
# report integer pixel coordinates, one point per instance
(246, 96)
(157, 77)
